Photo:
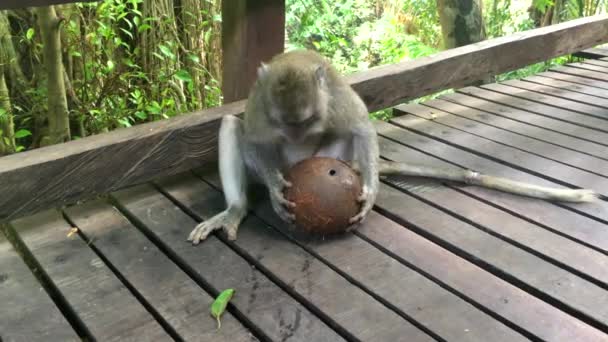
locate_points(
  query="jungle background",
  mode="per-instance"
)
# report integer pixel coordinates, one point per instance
(76, 70)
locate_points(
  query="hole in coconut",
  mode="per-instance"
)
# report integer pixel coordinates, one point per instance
(332, 172)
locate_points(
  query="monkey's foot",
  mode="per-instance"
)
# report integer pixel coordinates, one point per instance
(367, 200)
(227, 220)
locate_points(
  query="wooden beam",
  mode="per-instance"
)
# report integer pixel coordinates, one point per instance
(252, 31)
(389, 85)
(15, 4)
(60, 174)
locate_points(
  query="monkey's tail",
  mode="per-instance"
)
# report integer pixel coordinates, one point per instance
(492, 182)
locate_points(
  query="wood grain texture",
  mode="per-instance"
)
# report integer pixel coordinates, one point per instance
(438, 154)
(253, 31)
(574, 79)
(178, 299)
(501, 94)
(344, 303)
(97, 296)
(588, 66)
(593, 53)
(585, 100)
(56, 175)
(516, 135)
(15, 4)
(61, 174)
(441, 311)
(535, 316)
(571, 86)
(597, 62)
(27, 313)
(594, 75)
(273, 311)
(529, 118)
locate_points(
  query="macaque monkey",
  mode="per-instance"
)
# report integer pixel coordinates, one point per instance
(300, 107)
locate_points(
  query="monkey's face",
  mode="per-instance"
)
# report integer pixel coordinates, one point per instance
(298, 106)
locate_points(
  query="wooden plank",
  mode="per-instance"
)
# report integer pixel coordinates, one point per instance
(177, 298)
(581, 72)
(493, 110)
(253, 31)
(107, 308)
(592, 53)
(15, 4)
(310, 278)
(276, 314)
(389, 85)
(443, 312)
(588, 66)
(559, 220)
(586, 262)
(503, 97)
(598, 62)
(525, 140)
(27, 313)
(522, 309)
(574, 87)
(578, 101)
(589, 111)
(56, 175)
(574, 79)
(577, 296)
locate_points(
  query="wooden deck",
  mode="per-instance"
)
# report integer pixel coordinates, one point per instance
(434, 261)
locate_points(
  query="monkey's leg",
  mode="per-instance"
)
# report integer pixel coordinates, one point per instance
(492, 182)
(233, 174)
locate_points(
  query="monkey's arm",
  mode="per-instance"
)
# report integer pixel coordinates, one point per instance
(492, 182)
(366, 159)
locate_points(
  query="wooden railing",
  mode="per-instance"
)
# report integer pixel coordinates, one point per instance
(61, 174)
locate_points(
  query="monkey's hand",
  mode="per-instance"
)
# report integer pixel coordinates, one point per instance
(276, 186)
(367, 200)
(228, 220)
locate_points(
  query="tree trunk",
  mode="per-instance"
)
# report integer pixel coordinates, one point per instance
(58, 118)
(461, 22)
(7, 127)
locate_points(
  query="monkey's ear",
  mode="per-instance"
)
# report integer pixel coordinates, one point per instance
(321, 75)
(263, 70)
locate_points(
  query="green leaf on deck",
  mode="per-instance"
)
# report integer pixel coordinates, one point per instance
(219, 305)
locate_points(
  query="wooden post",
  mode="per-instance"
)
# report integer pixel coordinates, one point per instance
(252, 31)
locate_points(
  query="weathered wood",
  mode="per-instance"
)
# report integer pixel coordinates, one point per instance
(588, 66)
(592, 53)
(332, 294)
(581, 72)
(591, 112)
(533, 163)
(577, 296)
(15, 4)
(522, 309)
(562, 127)
(584, 101)
(525, 140)
(175, 296)
(27, 313)
(101, 301)
(253, 31)
(579, 88)
(500, 94)
(597, 62)
(559, 220)
(389, 85)
(443, 312)
(61, 174)
(277, 315)
(574, 79)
